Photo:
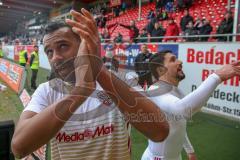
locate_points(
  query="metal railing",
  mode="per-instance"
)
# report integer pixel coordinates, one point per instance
(184, 38)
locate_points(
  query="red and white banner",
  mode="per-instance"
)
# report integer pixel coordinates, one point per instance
(14, 75)
(199, 61)
(25, 97)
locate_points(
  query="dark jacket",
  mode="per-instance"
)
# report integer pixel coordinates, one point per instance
(225, 27)
(145, 34)
(205, 30)
(133, 31)
(118, 39)
(157, 33)
(191, 31)
(160, 4)
(149, 27)
(141, 68)
(184, 22)
(31, 59)
(150, 15)
(101, 21)
(141, 63)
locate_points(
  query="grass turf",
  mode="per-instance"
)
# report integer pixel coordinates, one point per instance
(213, 138)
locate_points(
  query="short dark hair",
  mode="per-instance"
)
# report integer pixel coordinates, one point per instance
(157, 60)
(54, 25)
(35, 46)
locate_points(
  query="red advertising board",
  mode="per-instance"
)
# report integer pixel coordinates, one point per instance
(25, 97)
(12, 74)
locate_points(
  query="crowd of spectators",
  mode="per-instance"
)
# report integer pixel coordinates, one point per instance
(13, 39)
(188, 27)
(153, 31)
(23, 36)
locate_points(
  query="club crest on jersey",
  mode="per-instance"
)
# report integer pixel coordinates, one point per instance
(104, 98)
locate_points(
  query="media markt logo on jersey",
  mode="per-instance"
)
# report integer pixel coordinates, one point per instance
(86, 134)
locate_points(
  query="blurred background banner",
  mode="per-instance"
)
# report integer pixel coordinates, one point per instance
(199, 61)
(115, 2)
(13, 74)
(198, 58)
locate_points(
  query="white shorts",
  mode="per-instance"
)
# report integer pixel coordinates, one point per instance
(148, 155)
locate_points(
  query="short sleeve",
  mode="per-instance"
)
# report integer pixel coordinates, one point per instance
(39, 100)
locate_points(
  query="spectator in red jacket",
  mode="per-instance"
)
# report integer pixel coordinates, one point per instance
(171, 30)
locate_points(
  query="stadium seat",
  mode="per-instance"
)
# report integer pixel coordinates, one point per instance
(211, 10)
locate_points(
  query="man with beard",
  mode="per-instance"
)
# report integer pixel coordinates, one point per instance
(82, 110)
(176, 106)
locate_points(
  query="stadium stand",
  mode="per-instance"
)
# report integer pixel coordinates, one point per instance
(212, 10)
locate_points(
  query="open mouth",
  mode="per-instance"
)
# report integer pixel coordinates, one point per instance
(179, 69)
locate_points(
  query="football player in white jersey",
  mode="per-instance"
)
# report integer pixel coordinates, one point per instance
(170, 99)
(73, 51)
